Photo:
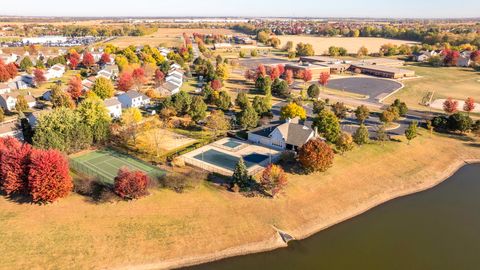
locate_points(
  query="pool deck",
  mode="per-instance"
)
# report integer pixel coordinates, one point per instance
(244, 149)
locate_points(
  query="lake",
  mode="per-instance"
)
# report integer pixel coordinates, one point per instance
(435, 229)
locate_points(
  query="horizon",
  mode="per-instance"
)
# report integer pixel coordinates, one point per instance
(308, 9)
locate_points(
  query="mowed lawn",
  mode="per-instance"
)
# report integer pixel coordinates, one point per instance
(455, 82)
(76, 234)
(352, 44)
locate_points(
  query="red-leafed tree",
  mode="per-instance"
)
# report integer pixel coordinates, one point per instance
(469, 105)
(105, 59)
(289, 76)
(88, 60)
(451, 57)
(281, 69)
(4, 74)
(159, 77)
(450, 105)
(138, 76)
(131, 185)
(250, 75)
(49, 178)
(39, 76)
(75, 87)
(273, 179)
(216, 85)
(12, 70)
(125, 81)
(324, 78)
(307, 75)
(274, 73)
(316, 155)
(14, 162)
(261, 71)
(73, 59)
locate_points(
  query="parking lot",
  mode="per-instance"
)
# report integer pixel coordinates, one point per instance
(376, 89)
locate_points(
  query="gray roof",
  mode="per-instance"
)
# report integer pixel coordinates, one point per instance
(109, 102)
(168, 86)
(133, 94)
(294, 133)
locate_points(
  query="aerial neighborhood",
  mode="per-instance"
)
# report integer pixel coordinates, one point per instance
(165, 132)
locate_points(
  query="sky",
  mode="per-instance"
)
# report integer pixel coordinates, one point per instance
(250, 8)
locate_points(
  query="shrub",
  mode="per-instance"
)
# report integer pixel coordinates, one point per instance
(361, 135)
(460, 122)
(130, 185)
(315, 155)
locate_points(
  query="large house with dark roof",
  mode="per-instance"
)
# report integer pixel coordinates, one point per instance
(289, 135)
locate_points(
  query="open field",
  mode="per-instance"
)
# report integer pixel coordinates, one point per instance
(166, 226)
(321, 44)
(160, 140)
(458, 83)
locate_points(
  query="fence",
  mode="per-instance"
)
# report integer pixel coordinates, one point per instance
(84, 169)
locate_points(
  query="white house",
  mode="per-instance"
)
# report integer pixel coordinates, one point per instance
(175, 66)
(174, 80)
(133, 99)
(168, 88)
(55, 71)
(9, 100)
(289, 135)
(421, 56)
(112, 70)
(8, 58)
(87, 83)
(114, 107)
(4, 88)
(464, 61)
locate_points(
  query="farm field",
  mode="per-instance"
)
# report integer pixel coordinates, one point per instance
(455, 82)
(77, 234)
(321, 44)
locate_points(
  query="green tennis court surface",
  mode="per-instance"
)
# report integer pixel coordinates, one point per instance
(106, 163)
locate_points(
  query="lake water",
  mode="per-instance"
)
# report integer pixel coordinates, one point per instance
(436, 229)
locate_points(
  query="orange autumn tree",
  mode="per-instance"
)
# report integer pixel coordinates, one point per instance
(273, 179)
(469, 105)
(315, 156)
(75, 87)
(131, 184)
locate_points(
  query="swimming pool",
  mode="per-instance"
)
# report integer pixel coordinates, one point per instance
(227, 161)
(232, 144)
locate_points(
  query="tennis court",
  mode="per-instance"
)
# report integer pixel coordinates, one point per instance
(105, 164)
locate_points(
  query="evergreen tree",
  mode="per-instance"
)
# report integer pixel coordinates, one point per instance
(361, 135)
(198, 109)
(26, 63)
(242, 100)
(248, 118)
(240, 175)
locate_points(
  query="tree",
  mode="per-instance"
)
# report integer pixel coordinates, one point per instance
(12, 70)
(291, 111)
(324, 78)
(280, 88)
(73, 59)
(318, 106)
(362, 52)
(401, 106)
(26, 63)
(103, 88)
(450, 106)
(138, 77)
(131, 118)
(261, 105)
(105, 58)
(159, 77)
(315, 155)
(14, 162)
(39, 77)
(95, 115)
(382, 135)
(361, 135)
(222, 72)
(460, 122)
(49, 176)
(60, 99)
(181, 101)
(264, 84)
(289, 76)
(130, 184)
(242, 100)
(362, 113)
(328, 125)
(217, 122)
(248, 118)
(305, 49)
(125, 81)
(240, 175)
(411, 131)
(344, 142)
(223, 101)
(2, 115)
(273, 179)
(389, 115)
(88, 61)
(340, 110)
(75, 87)
(469, 105)
(21, 105)
(216, 85)
(198, 109)
(313, 91)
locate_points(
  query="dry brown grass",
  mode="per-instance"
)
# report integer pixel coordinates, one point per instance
(321, 44)
(75, 234)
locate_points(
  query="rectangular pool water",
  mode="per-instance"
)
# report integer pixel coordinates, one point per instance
(227, 161)
(232, 144)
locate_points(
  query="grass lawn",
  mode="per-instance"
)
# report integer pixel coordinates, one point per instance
(38, 92)
(454, 82)
(76, 234)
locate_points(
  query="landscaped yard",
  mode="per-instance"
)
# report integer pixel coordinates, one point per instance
(74, 233)
(458, 83)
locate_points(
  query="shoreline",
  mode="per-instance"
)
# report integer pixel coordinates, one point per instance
(309, 229)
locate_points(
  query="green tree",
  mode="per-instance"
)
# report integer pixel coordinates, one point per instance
(242, 100)
(340, 110)
(103, 88)
(401, 106)
(460, 122)
(305, 49)
(327, 125)
(21, 105)
(198, 109)
(264, 84)
(248, 118)
(26, 63)
(313, 91)
(318, 106)
(181, 101)
(361, 135)
(411, 132)
(261, 105)
(362, 113)
(223, 101)
(60, 98)
(382, 135)
(240, 175)
(95, 115)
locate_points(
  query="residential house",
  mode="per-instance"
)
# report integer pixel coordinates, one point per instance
(9, 100)
(288, 135)
(464, 59)
(88, 83)
(11, 129)
(174, 79)
(168, 89)
(133, 99)
(421, 56)
(4, 88)
(56, 71)
(112, 69)
(114, 107)
(28, 79)
(8, 58)
(18, 84)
